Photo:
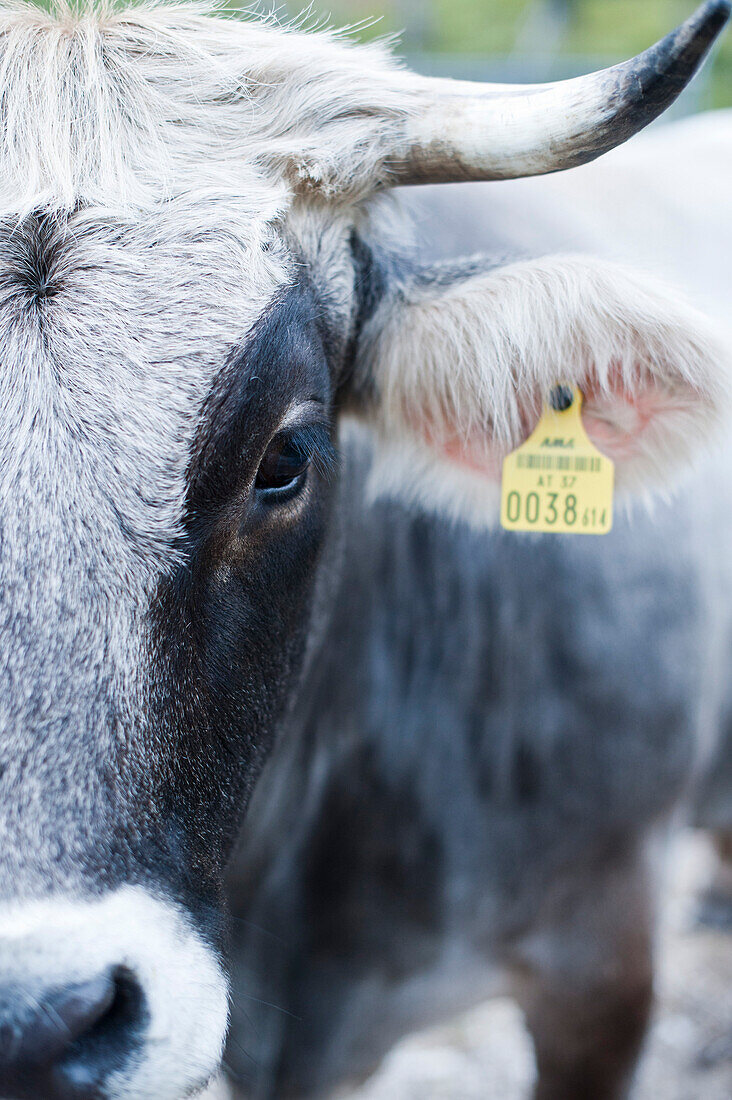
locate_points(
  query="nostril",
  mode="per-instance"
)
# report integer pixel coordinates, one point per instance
(110, 1035)
(79, 1009)
(43, 1028)
(62, 1046)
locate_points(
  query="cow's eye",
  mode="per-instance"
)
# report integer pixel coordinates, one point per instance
(284, 465)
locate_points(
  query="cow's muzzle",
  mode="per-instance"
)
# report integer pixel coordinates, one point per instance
(116, 998)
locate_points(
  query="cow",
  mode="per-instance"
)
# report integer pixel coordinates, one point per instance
(264, 734)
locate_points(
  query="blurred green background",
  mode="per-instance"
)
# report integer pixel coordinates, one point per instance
(523, 39)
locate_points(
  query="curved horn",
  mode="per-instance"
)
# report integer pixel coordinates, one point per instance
(468, 131)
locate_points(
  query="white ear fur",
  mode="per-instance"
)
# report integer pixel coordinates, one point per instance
(460, 373)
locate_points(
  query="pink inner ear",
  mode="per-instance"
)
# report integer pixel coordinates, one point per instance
(616, 427)
(479, 454)
(481, 459)
(616, 422)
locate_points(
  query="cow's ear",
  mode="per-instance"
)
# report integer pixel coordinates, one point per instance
(452, 372)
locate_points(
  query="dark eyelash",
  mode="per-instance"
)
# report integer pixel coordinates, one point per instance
(314, 443)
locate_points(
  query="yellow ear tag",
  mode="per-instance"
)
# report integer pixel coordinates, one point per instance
(558, 480)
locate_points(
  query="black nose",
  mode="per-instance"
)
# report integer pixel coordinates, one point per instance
(62, 1044)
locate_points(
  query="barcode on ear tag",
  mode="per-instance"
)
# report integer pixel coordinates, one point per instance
(558, 481)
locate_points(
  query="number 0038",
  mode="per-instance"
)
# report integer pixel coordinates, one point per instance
(551, 509)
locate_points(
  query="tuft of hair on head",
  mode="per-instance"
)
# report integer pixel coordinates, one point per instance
(125, 106)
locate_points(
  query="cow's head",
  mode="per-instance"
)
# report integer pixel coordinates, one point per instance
(195, 282)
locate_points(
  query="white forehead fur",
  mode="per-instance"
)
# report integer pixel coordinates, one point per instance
(126, 107)
(58, 942)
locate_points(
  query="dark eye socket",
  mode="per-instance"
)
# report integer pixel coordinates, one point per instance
(284, 465)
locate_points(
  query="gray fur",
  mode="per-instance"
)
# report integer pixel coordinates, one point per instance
(506, 723)
(100, 391)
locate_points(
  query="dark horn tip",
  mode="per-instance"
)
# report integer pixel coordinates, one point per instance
(718, 9)
(668, 67)
(649, 85)
(701, 30)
